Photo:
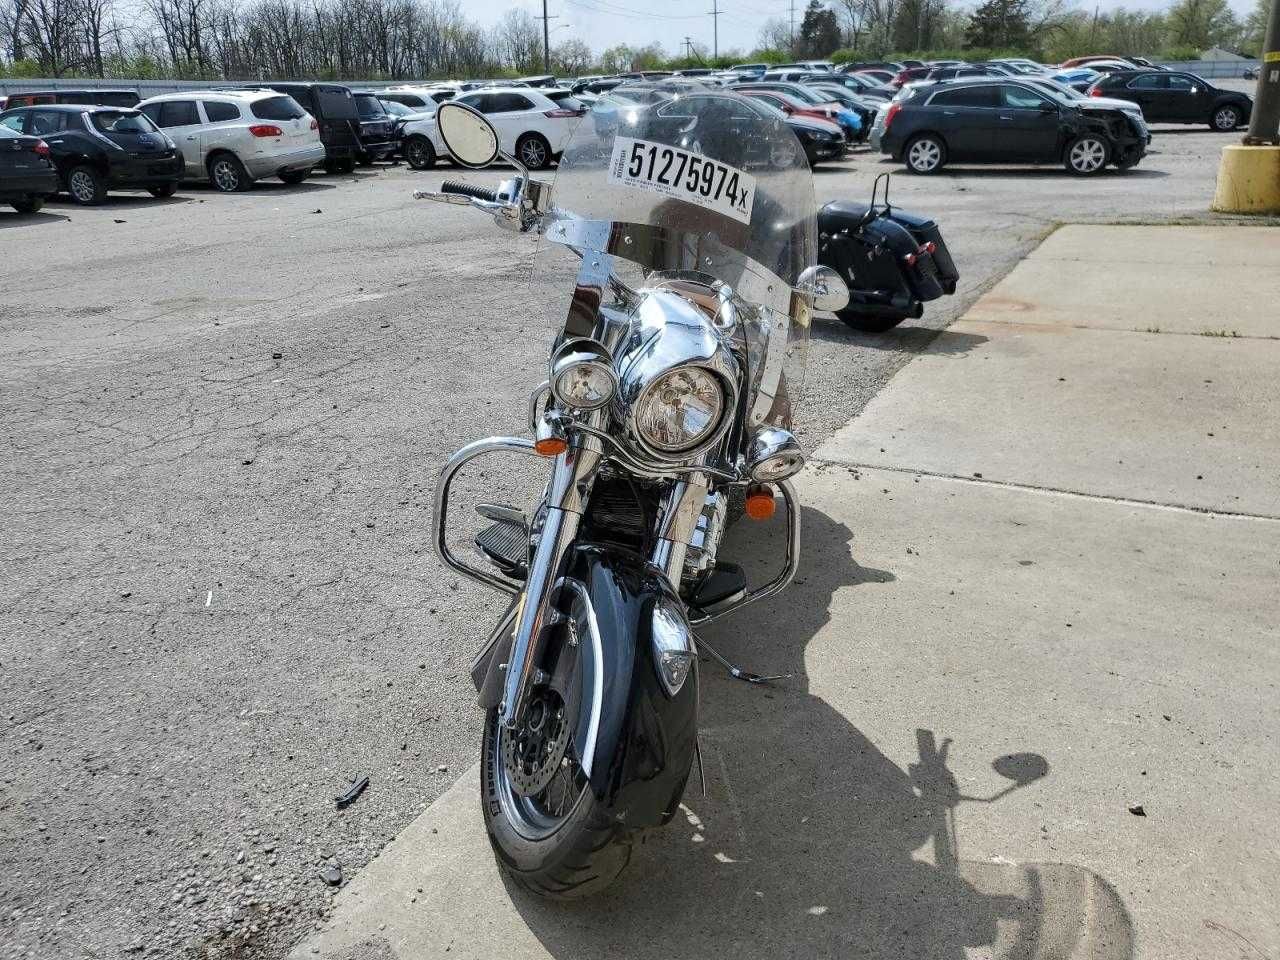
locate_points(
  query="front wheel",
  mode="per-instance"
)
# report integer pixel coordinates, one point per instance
(1226, 119)
(1086, 155)
(162, 191)
(544, 823)
(85, 186)
(294, 176)
(420, 153)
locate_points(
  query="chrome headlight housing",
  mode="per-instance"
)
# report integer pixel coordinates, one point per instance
(680, 410)
(582, 376)
(774, 455)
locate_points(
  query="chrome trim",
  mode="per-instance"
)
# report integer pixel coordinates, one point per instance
(670, 633)
(778, 583)
(440, 508)
(768, 443)
(539, 391)
(597, 683)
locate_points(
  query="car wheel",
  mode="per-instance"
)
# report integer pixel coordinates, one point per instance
(85, 186)
(533, 151)
(1226, 119)
(294, 176)
(925, 154)
(1086, 155)
(162, 190)
(228, 174)
(420, 153)
(27, 204)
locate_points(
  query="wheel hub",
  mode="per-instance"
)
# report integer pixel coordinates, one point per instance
(533, 751)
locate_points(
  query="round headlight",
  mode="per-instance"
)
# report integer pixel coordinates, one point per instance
(680, 409)
(585, 384)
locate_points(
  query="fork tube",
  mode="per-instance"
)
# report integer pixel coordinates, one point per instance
(571, 482)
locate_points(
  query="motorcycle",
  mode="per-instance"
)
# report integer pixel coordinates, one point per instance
(690, 223)
(892, 261)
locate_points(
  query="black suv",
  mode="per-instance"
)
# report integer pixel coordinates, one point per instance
(97, 148)
(1006, 121)
(334, 109)
(1168, 97)
(378, 137)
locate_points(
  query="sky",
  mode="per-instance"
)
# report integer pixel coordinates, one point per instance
(604, 23)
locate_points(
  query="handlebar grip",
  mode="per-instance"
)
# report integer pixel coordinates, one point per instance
(468, 190)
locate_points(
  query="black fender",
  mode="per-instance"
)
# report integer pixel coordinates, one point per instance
(645, 740)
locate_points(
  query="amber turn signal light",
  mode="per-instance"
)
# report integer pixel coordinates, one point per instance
(760, 503)
(550, 446)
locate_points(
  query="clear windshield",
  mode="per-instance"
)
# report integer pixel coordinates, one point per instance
(680, 177)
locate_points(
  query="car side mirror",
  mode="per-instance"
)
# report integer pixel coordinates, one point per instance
(1195, 90)
(467, 135)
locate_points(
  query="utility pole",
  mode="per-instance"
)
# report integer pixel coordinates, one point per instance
(546, 38)
(792, 51)
(715, 29)
(1264, 123)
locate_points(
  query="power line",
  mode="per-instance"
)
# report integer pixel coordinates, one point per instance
(600, 6)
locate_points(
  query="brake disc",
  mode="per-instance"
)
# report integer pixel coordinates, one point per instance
(534, 750)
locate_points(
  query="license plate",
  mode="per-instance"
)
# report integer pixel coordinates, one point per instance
(683, 175)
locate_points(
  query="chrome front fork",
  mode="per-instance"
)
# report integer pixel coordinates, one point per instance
(572, 478)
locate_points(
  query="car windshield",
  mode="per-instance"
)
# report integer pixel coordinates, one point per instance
(112, 121)
(702, 184)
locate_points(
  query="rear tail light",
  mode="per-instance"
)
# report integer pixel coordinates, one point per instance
(923, 251)
(42, 149)
(314, 124)
(561, 114)
(266, 130)
(1095, 92)
(894, 109)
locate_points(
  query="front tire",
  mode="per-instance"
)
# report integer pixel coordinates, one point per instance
(162, 191)
(292, 177)
(1226, 119)
(533, 151)
(571, 853)
(420, 153)
(227, 173)
(866, 324)
(1087, 155)
(925, 154)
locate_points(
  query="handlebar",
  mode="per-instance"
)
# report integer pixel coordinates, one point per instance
(468, 190)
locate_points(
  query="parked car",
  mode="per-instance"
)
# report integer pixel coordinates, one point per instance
(807, 95)
(1005, 121)
(1095, 58)
(233, 137)
(532, 125)
(1022, 65)
(334, 110)
(27, 174)
(865, 109)
(96, 149)
(891, 67)
(1085, 101)
(1251, 73)
(855, 83)
(911, 75)
(882, 77)
(541, 80)
(830, 112)
(825, 65)
(1173, 97)
(105, 98)
(378, 139)
(820, 139)
(416, 98)
(1077, 78)
(755, 69)
(420, 141)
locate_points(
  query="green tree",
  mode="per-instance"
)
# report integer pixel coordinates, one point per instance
(819, 31)
(1201, 24)
(1255, 28)
(1004, 24)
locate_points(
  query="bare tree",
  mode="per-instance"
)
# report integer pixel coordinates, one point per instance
(518, 40)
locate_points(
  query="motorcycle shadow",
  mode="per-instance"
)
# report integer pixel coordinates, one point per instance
(803, 845)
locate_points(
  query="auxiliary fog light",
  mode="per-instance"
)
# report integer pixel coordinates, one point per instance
(774, 455)
(583, 379)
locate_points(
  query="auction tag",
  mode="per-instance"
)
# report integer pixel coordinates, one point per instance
(691, 177)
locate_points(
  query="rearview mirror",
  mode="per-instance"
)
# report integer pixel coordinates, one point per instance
(467, 135)
(826, 286)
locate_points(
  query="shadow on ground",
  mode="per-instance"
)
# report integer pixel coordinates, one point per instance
(811, 843)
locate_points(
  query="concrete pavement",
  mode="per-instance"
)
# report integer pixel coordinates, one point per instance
(992, 608)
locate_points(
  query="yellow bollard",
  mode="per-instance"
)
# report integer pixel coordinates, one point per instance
(1248, 180)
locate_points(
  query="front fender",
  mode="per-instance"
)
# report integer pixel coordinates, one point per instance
(645, 739)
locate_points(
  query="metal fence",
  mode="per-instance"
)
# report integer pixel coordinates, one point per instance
(151, 88)
(1209, 69)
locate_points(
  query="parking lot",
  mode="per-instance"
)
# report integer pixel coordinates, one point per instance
(224, 414)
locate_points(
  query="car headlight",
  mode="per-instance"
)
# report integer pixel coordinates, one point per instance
(680, 409)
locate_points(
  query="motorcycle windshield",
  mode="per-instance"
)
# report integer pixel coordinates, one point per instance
(692, 179)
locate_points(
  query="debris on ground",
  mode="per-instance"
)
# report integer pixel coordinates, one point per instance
(1137, 810)
(348, 796)
(332, 874)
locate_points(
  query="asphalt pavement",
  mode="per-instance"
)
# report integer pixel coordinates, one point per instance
(224, 414)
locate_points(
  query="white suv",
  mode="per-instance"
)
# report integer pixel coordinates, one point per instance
(533, 125)
(233, 138)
